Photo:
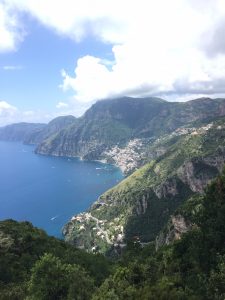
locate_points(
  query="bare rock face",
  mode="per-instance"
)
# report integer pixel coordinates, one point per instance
(196, 175)
(6, 241)
(175, 228)
(217, 160)
(142, 205)
(168, 188)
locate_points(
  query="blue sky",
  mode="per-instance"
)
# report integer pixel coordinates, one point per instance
(59, 57)
(30, 76)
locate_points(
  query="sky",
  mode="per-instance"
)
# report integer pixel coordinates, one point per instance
(59, 57)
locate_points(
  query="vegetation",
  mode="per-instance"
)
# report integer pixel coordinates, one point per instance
(116, 121)
(190, 268)
(32, 263)
(142, 203)
(35, 266)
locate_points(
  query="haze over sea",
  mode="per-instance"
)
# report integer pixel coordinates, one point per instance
(48, 191)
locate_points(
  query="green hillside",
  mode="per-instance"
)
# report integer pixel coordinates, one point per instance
(141, 204)
(190, 268)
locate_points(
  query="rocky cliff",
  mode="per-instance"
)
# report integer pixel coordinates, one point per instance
(175, 228)
(116, 130)
(141, 205)
(184, 219)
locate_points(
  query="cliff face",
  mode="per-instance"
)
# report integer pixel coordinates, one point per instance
(141, 205)
(176, 227)
(106, 124)
(184, 219)
(116, 130)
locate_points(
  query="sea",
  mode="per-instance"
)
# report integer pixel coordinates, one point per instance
(48, 191)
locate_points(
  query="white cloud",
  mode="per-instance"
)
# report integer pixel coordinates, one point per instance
(12, 68)
(159, 47)
(10, 114)
(6, 108)
(61, 105)
(72, 107)
(7, 112)
(91, 79)
(11, 31)
(77, 18)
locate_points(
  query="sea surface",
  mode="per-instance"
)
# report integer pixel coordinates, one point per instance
(48, 191)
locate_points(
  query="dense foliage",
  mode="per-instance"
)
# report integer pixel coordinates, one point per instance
(35, 266)
(190, 268)
(31, 262)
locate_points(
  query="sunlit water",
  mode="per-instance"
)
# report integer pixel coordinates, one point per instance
(48, 191)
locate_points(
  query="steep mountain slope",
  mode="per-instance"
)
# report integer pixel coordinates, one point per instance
(20, 131)
(116, 123)
(106, 123)
(141, 205)
(182, 221)
(192, 267)
(53, 127)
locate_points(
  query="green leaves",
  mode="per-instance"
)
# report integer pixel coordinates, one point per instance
(22, 253)
(52, 280)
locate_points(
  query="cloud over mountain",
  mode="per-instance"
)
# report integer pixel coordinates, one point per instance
(164, 48)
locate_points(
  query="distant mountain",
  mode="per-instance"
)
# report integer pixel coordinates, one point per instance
(50, 129)
(115, 122)
(20, 131)
(34, 133)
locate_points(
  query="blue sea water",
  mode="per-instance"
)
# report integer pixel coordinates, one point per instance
(48, 191)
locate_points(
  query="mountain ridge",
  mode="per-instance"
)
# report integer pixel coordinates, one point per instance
(19, 131)
(117, 121)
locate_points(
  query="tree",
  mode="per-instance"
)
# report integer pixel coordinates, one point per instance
(216, 286)
(51, 279)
